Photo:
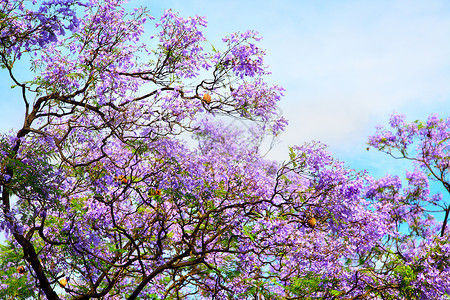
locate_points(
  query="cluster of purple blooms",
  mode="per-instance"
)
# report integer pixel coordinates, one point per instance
(105, 198)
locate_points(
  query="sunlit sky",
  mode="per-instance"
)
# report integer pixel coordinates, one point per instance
(346, 65)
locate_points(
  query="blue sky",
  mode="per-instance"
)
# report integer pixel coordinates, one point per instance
(346, 65)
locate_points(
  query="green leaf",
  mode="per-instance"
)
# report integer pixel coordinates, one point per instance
(335, 292)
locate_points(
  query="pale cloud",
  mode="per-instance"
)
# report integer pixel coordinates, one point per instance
(346, 65)
(351, 67)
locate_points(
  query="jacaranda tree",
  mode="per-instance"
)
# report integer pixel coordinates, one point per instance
(417, 256)
(103, 197)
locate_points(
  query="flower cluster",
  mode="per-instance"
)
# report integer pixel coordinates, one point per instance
(24, 28)
(181, 53)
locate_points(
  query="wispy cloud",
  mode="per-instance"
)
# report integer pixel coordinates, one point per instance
(346, 65)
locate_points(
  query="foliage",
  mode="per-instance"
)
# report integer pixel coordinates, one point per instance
(13, 284)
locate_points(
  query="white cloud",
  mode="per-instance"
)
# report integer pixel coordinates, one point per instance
(346, 71)
(346, 65)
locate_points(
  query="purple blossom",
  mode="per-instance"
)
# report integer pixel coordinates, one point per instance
(109, 189)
